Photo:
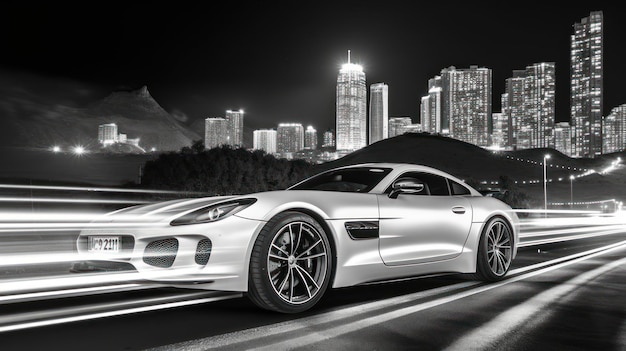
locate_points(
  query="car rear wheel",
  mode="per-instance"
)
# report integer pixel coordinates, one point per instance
(495, 250)
(290, 266)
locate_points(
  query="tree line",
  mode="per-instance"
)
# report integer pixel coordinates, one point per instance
(223, 170)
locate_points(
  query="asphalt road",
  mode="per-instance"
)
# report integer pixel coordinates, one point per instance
(568, 295)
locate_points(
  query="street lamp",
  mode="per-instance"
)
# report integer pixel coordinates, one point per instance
(571, 191)
(545, 184)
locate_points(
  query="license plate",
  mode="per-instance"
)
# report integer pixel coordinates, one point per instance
(104, 244)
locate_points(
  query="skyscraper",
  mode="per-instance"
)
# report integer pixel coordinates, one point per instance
(351, 116)
(528, 103)
(398, 125)
(264, 139)
(379, 112)
(614, 133)
(310, 138)
(425, 114)
(563, 138)
(500, 133)
(215, 132)
(235, 127)
(431, 108)
(329, 139)
(466, 95)
(586, 80)
(289, 139)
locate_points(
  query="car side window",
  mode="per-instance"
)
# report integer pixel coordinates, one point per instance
(433, 184)
(458, 189)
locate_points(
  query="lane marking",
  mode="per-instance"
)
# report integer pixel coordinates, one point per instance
(491, 333)
(331, 331)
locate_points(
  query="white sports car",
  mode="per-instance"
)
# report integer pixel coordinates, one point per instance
(346, 226)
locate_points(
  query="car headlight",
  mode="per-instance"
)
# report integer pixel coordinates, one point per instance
(213, 213)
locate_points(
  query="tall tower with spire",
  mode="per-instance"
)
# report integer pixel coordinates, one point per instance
(351, 117)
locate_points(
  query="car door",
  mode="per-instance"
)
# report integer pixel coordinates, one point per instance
(428, 226)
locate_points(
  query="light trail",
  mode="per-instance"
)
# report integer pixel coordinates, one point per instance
(78, 280)
(568, 231)
(55, 294)
(70, 201)
(74, 226)
(48, 217)
(95, 189)
(29, 258)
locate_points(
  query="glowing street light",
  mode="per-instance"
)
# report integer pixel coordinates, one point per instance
(79, 150)
(56, 149)
(571, 191)
(545, 183)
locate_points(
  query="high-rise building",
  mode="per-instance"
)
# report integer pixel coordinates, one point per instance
(500, 133)
(398, 125)
(563, 138)
(264, 139)
(425, 113)
(379, 112)
(310, 138)
(586, 85)
(529, 105)
(107, 133)
(466, 103)
(351, 104)
(614, 133)
(215, 132)
(289, 139)
(329, 139)
(431, 108)
(513, 107)
(235, 127)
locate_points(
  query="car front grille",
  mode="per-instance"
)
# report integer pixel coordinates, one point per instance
(161, 253)
(203, 251)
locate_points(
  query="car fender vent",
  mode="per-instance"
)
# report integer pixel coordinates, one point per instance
(161, 253)
(203, 251)
(362, 229)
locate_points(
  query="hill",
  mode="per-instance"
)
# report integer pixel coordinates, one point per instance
(484, 168)
(38, 115)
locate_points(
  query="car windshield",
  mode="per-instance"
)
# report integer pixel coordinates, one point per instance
(354, 180)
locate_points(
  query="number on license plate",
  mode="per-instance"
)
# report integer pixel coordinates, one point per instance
(104, 243)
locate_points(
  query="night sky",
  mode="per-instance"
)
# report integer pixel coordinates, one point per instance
(279, 62)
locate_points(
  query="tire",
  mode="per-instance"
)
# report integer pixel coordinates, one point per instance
(495, 250)
(290, 265)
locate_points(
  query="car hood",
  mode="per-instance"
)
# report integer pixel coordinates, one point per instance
(158, 211)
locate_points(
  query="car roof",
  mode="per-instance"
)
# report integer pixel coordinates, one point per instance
(398, 168)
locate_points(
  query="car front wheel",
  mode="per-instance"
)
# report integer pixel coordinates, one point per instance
(290, 266)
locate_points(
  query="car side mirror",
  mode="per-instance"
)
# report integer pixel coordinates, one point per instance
(406, 186)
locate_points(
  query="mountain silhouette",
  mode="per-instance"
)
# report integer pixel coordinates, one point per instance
(30, 118)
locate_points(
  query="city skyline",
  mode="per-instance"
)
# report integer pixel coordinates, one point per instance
(250, 67)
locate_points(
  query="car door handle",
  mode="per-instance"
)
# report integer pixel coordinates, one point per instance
(458, 209)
